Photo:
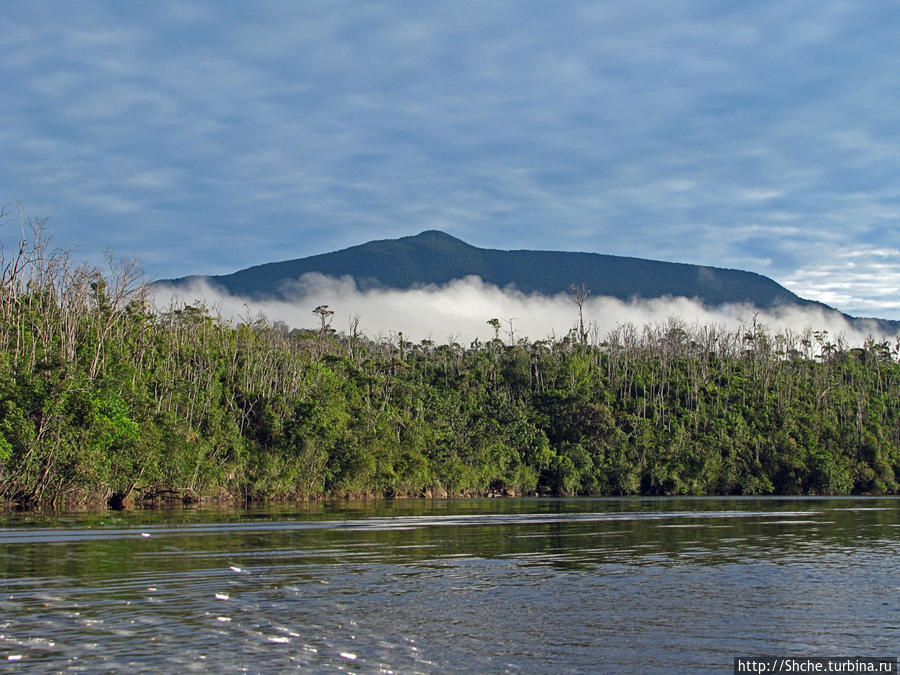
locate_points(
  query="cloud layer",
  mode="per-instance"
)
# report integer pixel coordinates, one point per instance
(205, 137)
(460, 311)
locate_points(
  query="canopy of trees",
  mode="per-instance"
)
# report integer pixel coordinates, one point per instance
(103, 399)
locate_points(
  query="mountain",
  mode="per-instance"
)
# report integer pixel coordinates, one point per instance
(434, 257)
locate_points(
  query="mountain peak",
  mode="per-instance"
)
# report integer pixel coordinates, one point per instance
(438, 235)
(435, 257)
(434, 233)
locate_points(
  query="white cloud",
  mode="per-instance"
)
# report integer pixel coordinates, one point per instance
(756, 136)
(758, 195)
(861, 281)
(154, 179)
(461, 309)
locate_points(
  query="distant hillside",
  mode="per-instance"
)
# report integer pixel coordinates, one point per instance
(434, 257)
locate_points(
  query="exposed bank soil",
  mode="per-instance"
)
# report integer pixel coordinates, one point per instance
(149, 498)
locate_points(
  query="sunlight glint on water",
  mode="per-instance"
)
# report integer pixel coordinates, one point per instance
(580, 585)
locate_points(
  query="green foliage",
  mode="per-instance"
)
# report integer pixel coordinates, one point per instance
(100, 398)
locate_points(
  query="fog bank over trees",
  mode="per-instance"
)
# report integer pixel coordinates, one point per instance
(460, 310)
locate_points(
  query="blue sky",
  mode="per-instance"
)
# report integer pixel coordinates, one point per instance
(204, 137)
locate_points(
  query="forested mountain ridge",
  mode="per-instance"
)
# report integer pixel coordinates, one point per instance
(434, 257)
(103, 397)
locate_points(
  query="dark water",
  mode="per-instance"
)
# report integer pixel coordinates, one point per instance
(537, 586)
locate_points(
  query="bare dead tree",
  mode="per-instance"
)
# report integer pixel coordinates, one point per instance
(353, 337)
(122, 282)
(579, 294)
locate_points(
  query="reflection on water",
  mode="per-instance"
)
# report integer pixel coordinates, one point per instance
(542, 585)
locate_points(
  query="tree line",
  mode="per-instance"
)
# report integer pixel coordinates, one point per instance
(106, 399)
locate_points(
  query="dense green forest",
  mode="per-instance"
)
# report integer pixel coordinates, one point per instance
(103, 398)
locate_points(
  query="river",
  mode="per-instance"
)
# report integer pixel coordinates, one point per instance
(451, 586)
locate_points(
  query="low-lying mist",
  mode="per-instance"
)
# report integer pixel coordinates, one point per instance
(460, 310)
